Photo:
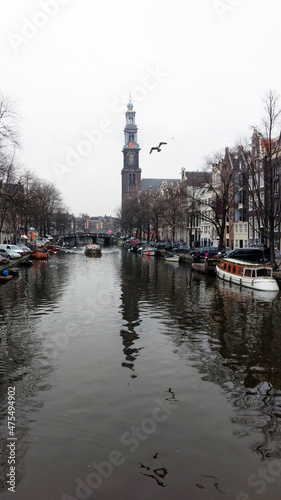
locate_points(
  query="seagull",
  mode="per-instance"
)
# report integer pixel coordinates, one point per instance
(158, 148)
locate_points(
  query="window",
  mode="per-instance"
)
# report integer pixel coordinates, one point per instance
(256, 227)
(263, 272)
(132, 179)
(245, 228)
(250, 227)
(261, 180)
(240, 228)
(217, 178)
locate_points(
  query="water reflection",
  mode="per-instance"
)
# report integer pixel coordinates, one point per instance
(236, 343)
(130, 297)
(23, 361)
(231, 335)
(227, 336)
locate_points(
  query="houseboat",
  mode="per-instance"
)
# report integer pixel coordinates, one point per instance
(93, 250)
(248, 274)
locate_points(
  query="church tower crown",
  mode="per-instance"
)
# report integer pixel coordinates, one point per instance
(130, 130)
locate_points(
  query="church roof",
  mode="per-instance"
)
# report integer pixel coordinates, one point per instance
(156, 183)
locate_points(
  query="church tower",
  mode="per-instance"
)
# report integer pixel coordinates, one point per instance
(131, 173)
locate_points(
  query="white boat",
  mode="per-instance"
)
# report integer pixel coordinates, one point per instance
(248, 274)
(172, 257)
(93, 250)
(149, 251)
(239, 294)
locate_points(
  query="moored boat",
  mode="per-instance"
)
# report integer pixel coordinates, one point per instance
(93, 250)
(172, 257)
(149, 251)
(39, 255)
(240, 294)
(248, 274)
(4, 279)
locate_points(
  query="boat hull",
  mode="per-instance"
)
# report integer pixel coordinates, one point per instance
(148, 251)
(172, 258)
(4, 279)
(93, 250)
(38, 255)
(262, 283)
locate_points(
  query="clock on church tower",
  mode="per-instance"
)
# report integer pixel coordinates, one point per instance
(131, 173)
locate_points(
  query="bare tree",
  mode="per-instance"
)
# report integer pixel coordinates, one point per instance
(223, 187)
(156, 208)
(8, 122)
(10, 191)
(173, 207)
(8, 166)
(131, 215)
(47, 202)
(264, 174)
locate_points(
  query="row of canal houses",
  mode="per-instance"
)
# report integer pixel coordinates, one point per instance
(251, 180)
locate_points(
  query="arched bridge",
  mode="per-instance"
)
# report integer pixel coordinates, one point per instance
(77, 239)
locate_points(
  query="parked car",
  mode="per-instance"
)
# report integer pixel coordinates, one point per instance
(171, 247)
(16, 248)
(160, 245)
(10, 254)
(211, 251)
(225, 251)
(183, 249)
(3, 260)
(41, 242)
(9, 246)
(24, 248)
(252, 254)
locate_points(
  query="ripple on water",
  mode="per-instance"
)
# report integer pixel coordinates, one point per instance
(92, 367)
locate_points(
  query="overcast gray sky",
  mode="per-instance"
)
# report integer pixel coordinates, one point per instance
(197, 71)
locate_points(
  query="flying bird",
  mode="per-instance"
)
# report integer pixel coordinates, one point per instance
(158, 148)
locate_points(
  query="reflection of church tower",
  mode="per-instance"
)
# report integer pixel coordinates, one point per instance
(131, 173)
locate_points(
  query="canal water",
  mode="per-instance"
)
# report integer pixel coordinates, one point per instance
(133, 378)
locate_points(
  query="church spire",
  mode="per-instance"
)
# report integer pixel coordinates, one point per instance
(131, 173)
